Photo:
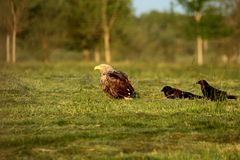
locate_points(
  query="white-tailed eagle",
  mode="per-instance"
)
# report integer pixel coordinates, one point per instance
(115, 83)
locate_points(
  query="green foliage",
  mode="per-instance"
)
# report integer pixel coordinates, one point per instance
(212, 26)
(58, 111)
(76, 26)
(84, 24)
(44, 29)
(194, 5)
(212, 23)
(154, 35)
(85, 21)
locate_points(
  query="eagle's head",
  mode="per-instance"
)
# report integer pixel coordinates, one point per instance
(103, 68)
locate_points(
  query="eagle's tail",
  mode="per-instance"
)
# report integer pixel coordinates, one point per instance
(137, 95)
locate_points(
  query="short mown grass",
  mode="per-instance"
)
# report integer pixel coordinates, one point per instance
(58, 111)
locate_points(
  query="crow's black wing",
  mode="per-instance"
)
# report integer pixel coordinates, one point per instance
(191, 95)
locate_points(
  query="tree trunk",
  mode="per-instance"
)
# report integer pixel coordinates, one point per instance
(96, 56)
(8, 48)
(14, 46)
(106, 32)
(107, 46)
(46, 54)
(200, 50)
(86, 55)
(14, 30)
(205, 45)
(198, 17)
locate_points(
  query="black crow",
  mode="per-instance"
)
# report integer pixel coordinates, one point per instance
(173, 93)
(213, 93)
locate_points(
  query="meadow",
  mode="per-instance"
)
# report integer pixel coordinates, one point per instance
(58, 111)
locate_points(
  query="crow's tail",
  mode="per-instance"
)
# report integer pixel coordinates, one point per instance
(193, 96)
(231, 97)
(198, 97)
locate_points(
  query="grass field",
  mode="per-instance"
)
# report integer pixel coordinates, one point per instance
(58, 111)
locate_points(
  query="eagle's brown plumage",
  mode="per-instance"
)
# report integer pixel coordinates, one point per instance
(115, 83)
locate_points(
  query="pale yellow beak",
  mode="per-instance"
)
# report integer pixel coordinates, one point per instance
(97, 68)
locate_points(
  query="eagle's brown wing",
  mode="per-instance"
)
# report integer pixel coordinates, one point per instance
(117, 85)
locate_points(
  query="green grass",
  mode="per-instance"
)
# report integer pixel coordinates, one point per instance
(58, 111)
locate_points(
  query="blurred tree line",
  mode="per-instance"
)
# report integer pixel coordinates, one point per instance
(106, 30)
